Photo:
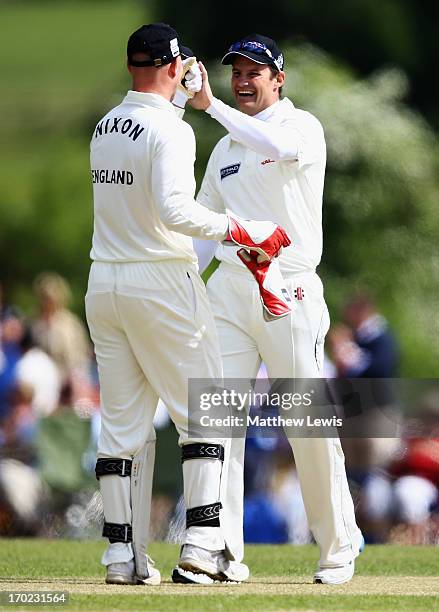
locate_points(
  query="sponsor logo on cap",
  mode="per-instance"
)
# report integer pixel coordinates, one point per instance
(174, 47)
(229, 170)
(279, 61)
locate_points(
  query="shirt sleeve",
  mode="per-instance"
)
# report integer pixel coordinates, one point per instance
(310, 138)
(263, 137)
(173, 185)
(298, 137)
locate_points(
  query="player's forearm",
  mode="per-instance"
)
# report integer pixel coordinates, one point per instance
(262, 137)
(184, 215)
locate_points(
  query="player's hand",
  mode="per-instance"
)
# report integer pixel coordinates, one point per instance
(264, 237)
(203, 99)
(191, 82)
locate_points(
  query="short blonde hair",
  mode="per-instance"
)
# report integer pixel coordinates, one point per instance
(53, 286)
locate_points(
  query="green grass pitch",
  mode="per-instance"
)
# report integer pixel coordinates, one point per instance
(387, 578)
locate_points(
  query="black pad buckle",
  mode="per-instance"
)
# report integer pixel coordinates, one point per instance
(202, 451)
(204, 516)
(117, 532)
(113, 467)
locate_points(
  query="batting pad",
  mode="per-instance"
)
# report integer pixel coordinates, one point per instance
(141, 491)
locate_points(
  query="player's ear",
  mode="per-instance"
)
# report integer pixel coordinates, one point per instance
(174, 67)
(280, 79)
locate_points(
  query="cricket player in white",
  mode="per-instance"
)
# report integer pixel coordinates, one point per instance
(148, 312)
(271, 165)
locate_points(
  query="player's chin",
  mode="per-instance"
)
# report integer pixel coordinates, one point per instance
(246, 105)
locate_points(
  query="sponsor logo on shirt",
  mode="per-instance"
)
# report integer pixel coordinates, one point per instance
(285, 294)
(229, 170)
(267, 161)
(299, 293)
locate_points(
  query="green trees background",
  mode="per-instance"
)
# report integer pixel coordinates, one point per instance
(62, 66)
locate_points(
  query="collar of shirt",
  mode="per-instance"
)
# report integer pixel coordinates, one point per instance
(265, 114)
(277, 108)
(148, 99)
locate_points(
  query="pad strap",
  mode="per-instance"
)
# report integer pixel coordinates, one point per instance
(117, 532)
(204, 516)
(113, 467)
(202, 451)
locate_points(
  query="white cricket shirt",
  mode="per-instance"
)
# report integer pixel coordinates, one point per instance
(270, 167)
(142, 165)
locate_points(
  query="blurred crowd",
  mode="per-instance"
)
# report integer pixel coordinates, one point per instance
(48, 396)
(49, 424)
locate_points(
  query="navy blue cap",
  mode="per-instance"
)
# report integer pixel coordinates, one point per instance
(158, 40)
(260, 49)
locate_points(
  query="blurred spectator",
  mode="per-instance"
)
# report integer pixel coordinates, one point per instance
(403, 499)
(57, 330)
(11, 331)
(21, 498)
(40, 372)
(287, 496)
(415, 474)
(18, 428)
(364, 346)
(274, 512)
(63, 335)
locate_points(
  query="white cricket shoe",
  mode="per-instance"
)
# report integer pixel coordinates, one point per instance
(335, 575)
(200, 566)
(238, 572)
(124, 573)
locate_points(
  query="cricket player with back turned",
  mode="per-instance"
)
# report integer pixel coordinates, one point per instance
(272, 165)
(149, 316)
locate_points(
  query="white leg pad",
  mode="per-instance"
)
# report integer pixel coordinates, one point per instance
(117, 509)
(142, 471)
(202, 482)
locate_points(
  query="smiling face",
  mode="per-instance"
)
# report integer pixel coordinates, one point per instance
(254, 86)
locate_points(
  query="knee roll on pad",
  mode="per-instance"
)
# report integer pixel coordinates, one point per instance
(204, 516)
(202, 451)
(117, 532)
(113, 467)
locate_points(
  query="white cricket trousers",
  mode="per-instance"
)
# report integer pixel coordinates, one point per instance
(153, 329)
(291, 347)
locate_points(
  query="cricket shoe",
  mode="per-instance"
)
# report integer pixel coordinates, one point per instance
(200, 566)
(338, 575)
(335, 575)
(125, 573)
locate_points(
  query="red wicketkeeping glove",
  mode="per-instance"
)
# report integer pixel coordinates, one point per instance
(264, 237)
(275, 298)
